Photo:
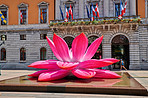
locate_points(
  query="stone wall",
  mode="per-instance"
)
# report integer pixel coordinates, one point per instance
(106, 8)
(131, 30)
(143, 37)
(32, 44)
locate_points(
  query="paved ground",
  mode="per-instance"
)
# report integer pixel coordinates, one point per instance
(140, 76)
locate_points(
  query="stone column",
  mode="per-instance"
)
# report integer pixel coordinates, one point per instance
(146, 9)
(132, 7)
(81, 9)
(57, 10)
(106, 8)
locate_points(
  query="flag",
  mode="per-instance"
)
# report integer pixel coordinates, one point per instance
(120, 17)
(116, 8)
(92, 16)
(121, 10)
(42, 16)
(87, 11)
(97, 9)
(93, 10)
(66, 12)
(61, 13)
(125, 7)
(21, 16)
(121, 7)
(2, 17)
(65, 20)
(70, 11)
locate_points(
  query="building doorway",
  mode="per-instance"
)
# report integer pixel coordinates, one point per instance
(98, 54)
(120, 50)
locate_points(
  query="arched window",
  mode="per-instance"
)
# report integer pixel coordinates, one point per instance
(22, 54)
(98, 54)
(69, 41)
(43, 53)
(3, 54)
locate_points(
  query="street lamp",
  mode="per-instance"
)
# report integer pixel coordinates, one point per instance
(3, 38)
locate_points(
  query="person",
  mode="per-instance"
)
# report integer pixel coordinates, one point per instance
(122, 65)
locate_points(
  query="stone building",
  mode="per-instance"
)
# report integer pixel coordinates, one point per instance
(25, 36)
(126, 41)
(25, 32)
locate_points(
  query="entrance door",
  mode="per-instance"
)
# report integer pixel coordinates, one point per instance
(120, 50)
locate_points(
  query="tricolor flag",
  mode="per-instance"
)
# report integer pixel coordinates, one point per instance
(93, 10)
(2, 18)
(42, 16)
(97, 9)
(70, 11)
(116, 8)
(122, 9)
(66, 12)
(61, 13)
(21, 16)
(92, 16)
(125, 7)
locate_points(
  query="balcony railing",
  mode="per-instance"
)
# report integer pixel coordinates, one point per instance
(102, 20)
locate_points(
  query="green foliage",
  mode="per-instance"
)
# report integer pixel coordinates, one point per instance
(96, 22)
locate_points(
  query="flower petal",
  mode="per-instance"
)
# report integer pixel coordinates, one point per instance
(36, 74)
(96, 63)
(92, 49)
(61, 47)
(52, 46)
(79, 47)
(47, 64)
(110, 59)
(66, 65)
(53, 75)
(105, 74)
(84, 74)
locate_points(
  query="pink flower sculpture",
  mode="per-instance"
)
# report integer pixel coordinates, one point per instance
(76, 61)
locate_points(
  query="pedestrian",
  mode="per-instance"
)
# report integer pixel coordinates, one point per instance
(122, 65)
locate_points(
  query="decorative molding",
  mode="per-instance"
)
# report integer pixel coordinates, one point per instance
(70, 2)
(3, 6)
(93, 1)
(43, 4)
(22, 5)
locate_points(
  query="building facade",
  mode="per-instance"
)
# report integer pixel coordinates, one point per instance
(126, 41)
(25, 32)
(28, 25)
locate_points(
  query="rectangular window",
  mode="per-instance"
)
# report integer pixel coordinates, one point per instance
(23, 37)
(5, 16)
(43, 15)
(23, 16)
(3, 37)
(43, 36)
